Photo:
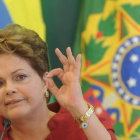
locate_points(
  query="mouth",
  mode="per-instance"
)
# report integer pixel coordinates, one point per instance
(12, 102)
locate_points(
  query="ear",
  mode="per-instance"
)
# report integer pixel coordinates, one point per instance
(45, 81)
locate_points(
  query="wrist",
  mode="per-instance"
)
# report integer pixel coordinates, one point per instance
(78, 109)
(82, 120)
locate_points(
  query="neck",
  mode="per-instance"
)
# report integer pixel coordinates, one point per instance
(34, 127)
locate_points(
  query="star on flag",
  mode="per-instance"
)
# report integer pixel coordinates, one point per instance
(134, 58)
(131, 82)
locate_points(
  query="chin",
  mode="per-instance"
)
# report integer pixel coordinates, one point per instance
(16, 113)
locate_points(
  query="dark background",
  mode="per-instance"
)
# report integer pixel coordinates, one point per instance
(61, 18)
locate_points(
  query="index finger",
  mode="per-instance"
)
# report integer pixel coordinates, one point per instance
(62, 59)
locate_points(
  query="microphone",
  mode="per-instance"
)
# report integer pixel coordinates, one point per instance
(5, 123)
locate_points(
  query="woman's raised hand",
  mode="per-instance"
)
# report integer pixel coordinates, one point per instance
(69, 95)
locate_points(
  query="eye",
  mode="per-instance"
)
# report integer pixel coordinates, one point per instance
(20, 77)
(1, 83)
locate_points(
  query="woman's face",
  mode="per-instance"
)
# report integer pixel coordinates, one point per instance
(21, 88)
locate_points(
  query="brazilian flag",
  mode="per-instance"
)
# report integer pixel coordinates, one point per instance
(108, 37)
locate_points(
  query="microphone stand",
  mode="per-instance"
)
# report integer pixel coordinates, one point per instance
(6, 123)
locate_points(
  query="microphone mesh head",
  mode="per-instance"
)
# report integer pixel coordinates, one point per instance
(6, 122)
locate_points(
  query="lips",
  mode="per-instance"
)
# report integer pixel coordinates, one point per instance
(15, 101)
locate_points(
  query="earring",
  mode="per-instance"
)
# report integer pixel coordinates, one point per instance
(46, 95)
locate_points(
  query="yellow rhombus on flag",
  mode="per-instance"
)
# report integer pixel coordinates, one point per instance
(108, 37)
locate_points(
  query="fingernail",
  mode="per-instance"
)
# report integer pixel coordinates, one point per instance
(70, 50)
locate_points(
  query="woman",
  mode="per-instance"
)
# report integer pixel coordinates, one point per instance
(24, 86)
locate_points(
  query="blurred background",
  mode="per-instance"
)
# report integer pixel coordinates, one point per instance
(107, 34)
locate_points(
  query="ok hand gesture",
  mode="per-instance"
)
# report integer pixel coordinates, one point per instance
(69, 95)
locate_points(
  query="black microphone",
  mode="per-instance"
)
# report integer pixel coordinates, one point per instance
(5, 123)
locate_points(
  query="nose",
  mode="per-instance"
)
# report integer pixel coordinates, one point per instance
(10, 88)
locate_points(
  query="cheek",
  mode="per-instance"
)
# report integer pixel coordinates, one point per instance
(2, 103)
(32, 90)
(1, 96)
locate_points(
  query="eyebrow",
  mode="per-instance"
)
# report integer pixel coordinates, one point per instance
(16, 71)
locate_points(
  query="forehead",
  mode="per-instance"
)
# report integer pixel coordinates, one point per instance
(10, 62)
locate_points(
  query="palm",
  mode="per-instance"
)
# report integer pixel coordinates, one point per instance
(67, 92)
